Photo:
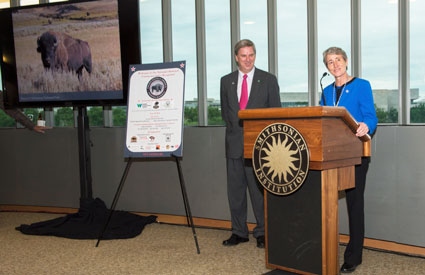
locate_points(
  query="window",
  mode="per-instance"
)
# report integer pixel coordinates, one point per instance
(34, 114)
(64, 117)
(218, 53)
(380, 56)
(28, 2)
(253, 16)
(417, 62)
(184, 48)
(150, 31)
(95, 115)
(292, 52)
(333, 30)
(379, 51)
(119, 116)
(5, 120)
(4, 4)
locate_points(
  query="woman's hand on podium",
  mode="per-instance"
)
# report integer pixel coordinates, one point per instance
(362, 130)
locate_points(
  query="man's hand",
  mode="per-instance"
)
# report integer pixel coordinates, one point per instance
(40, 129)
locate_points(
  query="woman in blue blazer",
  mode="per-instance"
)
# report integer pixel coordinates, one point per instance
(355, 94)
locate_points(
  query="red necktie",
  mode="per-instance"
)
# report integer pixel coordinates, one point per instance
(244, 93)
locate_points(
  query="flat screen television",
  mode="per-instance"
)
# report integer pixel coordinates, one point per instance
(70, 53)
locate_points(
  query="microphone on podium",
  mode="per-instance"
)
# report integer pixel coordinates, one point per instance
(321, 87)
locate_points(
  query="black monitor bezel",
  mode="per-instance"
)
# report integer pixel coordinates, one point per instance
(128, 17)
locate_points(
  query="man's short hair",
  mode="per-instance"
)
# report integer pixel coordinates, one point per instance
(244, 43)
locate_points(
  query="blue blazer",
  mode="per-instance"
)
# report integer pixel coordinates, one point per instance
(357, 98)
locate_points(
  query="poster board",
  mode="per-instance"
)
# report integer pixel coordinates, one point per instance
(155, 110)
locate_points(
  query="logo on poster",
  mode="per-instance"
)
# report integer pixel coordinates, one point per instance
(156, 87)
(280, 159)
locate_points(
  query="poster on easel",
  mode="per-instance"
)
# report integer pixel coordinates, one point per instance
(155, 110)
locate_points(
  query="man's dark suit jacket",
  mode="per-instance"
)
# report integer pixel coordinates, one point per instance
(264, 94)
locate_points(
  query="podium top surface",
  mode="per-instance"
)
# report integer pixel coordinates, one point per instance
(303, 112)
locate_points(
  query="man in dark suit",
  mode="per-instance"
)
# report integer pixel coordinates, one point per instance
(246, 88)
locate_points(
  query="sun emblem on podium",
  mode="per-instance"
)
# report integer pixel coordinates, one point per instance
(280, 159)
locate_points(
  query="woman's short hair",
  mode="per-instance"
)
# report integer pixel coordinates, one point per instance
(334, 50)
(244, 43)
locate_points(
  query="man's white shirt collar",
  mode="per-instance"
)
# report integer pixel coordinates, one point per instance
(250, 74)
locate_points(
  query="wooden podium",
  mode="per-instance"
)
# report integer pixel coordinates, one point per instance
(302, 227)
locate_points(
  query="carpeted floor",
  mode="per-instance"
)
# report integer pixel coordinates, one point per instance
(160, 249)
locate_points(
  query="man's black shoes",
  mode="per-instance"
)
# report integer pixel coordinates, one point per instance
(234, 240)
(348, 268)
(261, 242)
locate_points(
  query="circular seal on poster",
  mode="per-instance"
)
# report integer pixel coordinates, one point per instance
(156, 87)
(280, 159)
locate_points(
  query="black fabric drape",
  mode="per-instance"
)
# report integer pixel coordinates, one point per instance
(89, 221)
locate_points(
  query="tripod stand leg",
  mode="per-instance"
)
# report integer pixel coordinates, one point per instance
(184, 195)
(115, 200)
(186, 204)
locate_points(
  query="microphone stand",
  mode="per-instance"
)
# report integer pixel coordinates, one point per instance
(321, 87)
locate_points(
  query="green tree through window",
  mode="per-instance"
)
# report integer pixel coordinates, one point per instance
(191, 116)
(6, 121)
(32, 113)
(417, 113)
(64, 117)
(387, 117)
(214, 116)
(95, 115)
(119, 115)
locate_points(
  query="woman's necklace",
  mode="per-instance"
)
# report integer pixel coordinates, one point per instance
(342, 92)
